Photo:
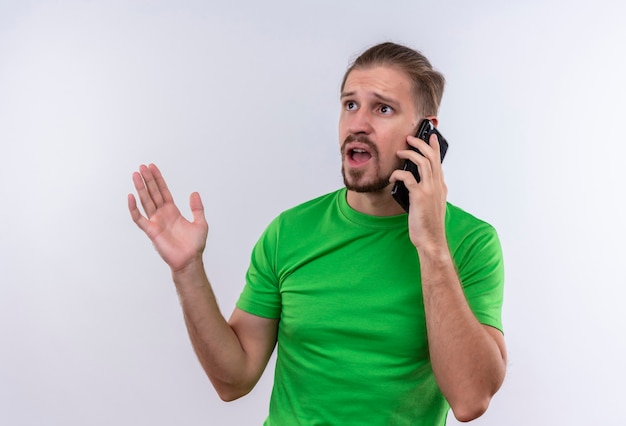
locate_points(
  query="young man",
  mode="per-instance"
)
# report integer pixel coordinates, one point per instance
(379, 317)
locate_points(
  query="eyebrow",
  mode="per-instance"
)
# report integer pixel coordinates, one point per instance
(376, 95)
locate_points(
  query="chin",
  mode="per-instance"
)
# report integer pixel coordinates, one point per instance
(359, 185)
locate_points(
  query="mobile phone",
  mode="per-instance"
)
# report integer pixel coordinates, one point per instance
(426, 128)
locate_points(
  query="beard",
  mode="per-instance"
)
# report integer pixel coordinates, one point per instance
(352, 182)
(353, 179)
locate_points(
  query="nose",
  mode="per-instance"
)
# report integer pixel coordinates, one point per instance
(360, 121)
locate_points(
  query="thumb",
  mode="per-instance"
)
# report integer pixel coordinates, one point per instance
(197, 208)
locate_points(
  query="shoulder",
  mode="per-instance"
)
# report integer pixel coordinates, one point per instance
(310, 210)
(467, 233)
(459, 220)
(321, 202)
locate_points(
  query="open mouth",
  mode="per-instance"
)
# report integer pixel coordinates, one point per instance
(358, 156)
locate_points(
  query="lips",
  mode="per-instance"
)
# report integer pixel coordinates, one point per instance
(359, 155)
(358, 150)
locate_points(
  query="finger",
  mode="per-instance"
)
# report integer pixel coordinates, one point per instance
(405, 177)
(161, 184)
(151, 185)
(135, 214)
(431, 151)
(423, 164)
(436, 161)
(197, 208)
(144, 195)
(434, 143)
(425, 148)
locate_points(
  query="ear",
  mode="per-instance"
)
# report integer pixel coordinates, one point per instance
(434, 119)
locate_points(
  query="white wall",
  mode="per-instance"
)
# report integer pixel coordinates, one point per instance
(239, 101)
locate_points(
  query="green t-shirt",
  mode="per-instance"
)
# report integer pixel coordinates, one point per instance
(352, 345)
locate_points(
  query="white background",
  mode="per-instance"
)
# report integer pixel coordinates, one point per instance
(239, 101)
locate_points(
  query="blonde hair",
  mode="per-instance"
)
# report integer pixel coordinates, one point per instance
(427, 83)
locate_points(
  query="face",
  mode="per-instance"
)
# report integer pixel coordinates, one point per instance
(378, 112)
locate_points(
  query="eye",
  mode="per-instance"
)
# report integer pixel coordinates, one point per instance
(350, 105)
(385, 109)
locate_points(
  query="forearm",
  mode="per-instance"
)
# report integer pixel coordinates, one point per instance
(216, 344)
(467, 361)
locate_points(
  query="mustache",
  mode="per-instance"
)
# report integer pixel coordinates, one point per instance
(362, 139)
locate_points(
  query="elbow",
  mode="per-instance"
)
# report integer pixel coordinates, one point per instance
(231, 387)
(230, 392)
(471, 410)
(230, 395)
(472, 401)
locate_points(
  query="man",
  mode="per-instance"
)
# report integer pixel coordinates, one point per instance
(379, 317)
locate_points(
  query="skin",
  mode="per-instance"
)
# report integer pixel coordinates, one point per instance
(378, 118)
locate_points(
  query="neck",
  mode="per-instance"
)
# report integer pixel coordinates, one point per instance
(379, 203)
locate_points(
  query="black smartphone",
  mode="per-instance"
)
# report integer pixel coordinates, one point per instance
(426, 128)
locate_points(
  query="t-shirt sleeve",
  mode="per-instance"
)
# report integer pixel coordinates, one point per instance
(261, 295)
(481, 271)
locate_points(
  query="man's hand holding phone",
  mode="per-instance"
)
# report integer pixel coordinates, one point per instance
(426, 197)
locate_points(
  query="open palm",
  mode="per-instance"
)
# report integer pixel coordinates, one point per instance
(177, 240)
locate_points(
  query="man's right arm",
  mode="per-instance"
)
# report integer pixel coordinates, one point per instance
(233, 354)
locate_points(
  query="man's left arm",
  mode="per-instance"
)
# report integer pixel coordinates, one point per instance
(467, 357)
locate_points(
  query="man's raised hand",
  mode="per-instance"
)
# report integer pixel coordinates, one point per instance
(178, 241)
